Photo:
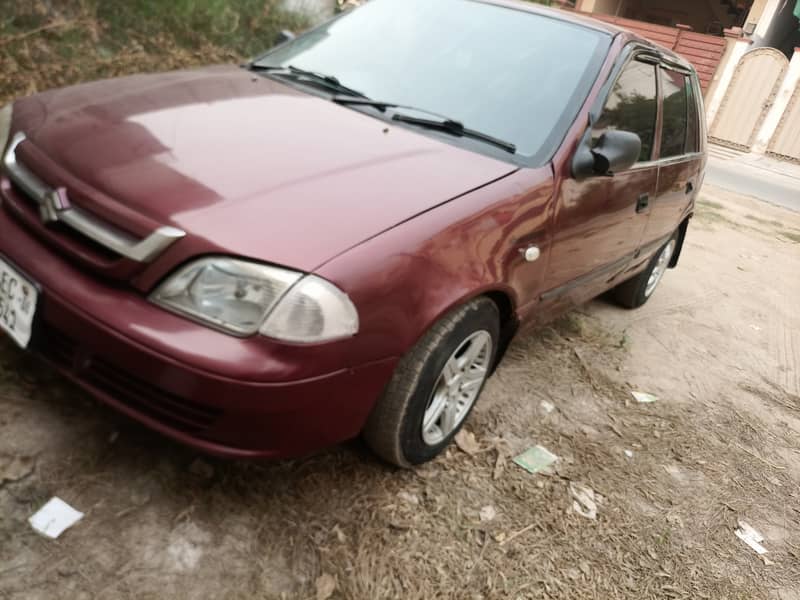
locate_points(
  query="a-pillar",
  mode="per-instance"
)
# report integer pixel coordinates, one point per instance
(779, 106)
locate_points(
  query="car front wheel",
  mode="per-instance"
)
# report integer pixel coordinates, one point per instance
(637, 291)
(435, 386)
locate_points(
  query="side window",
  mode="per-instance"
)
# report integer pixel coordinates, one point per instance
(676, 114)
(693, 129)
(632, 106)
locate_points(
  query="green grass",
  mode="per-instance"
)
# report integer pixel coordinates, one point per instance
(246, 26)
(52, 43)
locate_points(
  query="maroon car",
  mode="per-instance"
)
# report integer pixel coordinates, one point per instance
(343, 236)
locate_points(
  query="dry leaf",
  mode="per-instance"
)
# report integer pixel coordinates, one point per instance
(499, 466)
(408, 498)
(466, 442)
(326, 585)
(14, 468)
(340, 535)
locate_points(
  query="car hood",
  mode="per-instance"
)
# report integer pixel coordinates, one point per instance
(255, 167)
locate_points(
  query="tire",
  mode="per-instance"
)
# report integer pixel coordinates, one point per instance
(419, 388)
(637, 291)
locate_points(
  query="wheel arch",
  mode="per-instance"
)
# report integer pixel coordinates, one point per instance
(509, 322)
(682, 230)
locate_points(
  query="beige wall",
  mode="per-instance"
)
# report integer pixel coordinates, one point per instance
(606, 7)
(756, 11)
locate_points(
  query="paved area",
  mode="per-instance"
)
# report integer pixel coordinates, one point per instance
(755, 175)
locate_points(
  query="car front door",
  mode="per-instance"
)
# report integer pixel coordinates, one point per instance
(599, 222)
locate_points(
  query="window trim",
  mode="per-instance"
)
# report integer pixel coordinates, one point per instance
(637, 51)
(689, 82)
(635, 54)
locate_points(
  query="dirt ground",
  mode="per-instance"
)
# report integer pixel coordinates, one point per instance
(719, 345)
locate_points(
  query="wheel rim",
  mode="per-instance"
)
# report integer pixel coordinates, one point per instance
(457, 388)
(661, 267)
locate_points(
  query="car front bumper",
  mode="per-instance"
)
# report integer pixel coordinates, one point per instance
(239, 398)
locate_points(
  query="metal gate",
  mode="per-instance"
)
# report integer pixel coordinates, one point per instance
(752, 91)
(785, 144)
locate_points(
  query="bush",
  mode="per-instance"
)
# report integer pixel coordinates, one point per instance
(52, 43)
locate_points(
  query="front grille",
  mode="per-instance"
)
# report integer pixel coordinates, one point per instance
(56, 347)
(22, 207)
(137, 394)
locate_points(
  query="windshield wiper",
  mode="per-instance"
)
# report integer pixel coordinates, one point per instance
(456, 128)
(328, 81)
(440, 123)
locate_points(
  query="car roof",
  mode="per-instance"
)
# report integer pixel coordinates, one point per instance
(586, 21)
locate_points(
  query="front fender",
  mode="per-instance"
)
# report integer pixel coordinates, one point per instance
(405, 279)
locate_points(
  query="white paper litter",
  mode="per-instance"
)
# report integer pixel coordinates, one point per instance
(584, 503)
(751, 537)
(643, 398)
(54, 518)
(488, 513)
(629, 453)
(547, 407)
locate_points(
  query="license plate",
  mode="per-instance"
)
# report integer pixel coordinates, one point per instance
(18, 298)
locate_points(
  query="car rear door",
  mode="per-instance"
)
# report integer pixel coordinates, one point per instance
(599, 222)
(679, 156)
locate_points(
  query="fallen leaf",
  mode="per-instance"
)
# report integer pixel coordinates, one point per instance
(499, 466)
(14, 468)
(408, 498)
(326, 585)
(466, 442)
(340, 535)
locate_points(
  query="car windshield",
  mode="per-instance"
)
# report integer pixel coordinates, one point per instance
(515, 75)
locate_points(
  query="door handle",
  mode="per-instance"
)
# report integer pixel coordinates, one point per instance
(689, 188)
(642, 203)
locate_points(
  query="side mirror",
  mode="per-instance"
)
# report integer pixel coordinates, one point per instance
(615, 151)
(284, 36)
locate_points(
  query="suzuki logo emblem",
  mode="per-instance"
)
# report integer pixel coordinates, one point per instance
(54, 202)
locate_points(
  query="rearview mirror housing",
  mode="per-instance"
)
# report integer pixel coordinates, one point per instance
(615, 151)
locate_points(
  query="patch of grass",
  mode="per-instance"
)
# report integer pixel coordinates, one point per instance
(53, 43)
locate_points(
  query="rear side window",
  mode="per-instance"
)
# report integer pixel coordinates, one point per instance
(693, 128)
(632, 106)
(674, 136)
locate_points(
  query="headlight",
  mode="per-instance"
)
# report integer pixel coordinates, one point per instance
(313, 311)
(5, 126)
(243, 298)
